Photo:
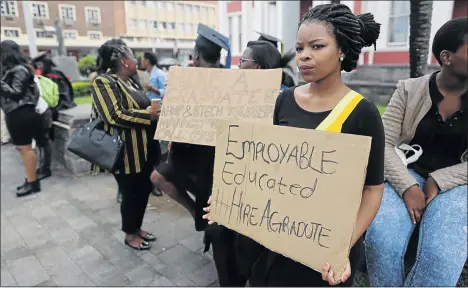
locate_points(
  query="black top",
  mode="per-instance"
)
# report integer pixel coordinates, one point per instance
(273, 269)
(364, 120)
(443, 142)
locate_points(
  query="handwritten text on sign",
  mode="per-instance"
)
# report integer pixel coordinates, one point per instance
(295, 191)
(197, 98)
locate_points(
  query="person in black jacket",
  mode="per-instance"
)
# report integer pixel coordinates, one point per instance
(18, 98)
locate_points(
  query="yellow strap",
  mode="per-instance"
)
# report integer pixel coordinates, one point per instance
(341, 112)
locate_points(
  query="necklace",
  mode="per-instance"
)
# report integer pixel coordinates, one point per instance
(128, 84)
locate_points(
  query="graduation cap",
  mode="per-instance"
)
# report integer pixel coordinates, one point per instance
(271, 39)
(43, 56)
(220, 41)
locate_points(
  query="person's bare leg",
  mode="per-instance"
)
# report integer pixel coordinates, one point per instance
(178, 195)
(29, 160)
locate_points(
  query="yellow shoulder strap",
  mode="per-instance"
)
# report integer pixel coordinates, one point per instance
(341, 112)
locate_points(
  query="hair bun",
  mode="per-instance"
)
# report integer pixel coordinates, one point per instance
(370, 29)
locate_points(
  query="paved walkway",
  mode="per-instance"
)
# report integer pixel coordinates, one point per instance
(69, 235)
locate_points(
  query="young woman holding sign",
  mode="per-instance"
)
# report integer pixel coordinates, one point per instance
(329, 40)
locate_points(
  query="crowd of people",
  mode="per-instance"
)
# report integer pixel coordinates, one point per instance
(415, 187)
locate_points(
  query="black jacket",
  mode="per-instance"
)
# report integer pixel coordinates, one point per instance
(18, 89)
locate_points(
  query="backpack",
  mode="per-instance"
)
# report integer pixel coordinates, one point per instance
(50, 91)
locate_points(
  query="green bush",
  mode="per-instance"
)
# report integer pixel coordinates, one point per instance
(81, 88)
(87, 64)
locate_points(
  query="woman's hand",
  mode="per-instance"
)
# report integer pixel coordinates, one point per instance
(328, 274)
(431, 189)
(154, 113)
(207, 216)
(415, 202)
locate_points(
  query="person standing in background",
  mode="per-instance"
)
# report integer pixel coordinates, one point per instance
(18, 98)
(156, 87)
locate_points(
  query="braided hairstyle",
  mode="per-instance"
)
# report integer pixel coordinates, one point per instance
(352, 32)
(110, 54)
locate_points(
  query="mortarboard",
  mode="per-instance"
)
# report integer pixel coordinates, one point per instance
(271, 39)
(43, 56)
(216, 38)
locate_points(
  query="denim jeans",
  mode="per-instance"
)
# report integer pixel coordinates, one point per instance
(442, 246)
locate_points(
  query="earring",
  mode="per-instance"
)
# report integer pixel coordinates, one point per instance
(126, 66)
(448, 64)
(341, 59)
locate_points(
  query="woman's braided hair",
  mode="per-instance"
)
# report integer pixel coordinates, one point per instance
(110, 54)
(352, 32)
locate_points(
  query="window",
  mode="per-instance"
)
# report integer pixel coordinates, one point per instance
(162, 26)
(44, 34)
(11, 32)
(154, 24)
(188, 9)
(188, 28)
(132, 24)
(171, 26)
(9, 8)
(93, 15)
(67, 12)
(399, 22)
(39, 10)
(197, 9)
(94, 35)
(230, 29)
(170, 6)
(70, 34)
(239, 19)
(161, 5)
(203, 11)
(179, 7)
(142, 24)
(180, 27)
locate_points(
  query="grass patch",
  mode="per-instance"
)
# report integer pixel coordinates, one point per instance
(88, 100)
(83, 100)
(381, 109)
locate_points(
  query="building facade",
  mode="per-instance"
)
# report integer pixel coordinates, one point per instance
(239, 20)
(86, 25)
(165, 27)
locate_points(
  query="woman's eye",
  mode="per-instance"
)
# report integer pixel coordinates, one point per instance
(317, 46)
(298, 49)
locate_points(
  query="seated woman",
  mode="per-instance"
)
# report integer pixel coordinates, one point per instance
(430, 194)
(122, 105)
(329, 40)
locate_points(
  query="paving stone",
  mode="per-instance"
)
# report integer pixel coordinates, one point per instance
(73, 280)
(47, 283)
(6, 279)
(84, 254)
(28, 271)
(153, 261)
(55, 258)
(142, 275)
(183, 260)
(204, 276)
(95, 268)
(15, 253)
(193, 242)
(176, 277)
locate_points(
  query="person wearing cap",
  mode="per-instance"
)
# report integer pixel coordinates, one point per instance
(191, 166)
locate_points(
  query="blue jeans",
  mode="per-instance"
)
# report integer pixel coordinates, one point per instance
(442, 246)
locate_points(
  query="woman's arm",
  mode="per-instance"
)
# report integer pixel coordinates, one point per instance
(396, 172)
(370, 203)
(17, 87)
(105, 97)
(451, 177)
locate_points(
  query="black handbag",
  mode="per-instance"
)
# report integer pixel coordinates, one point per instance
(92, 143)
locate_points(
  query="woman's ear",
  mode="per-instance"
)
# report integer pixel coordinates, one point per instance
(445, 57)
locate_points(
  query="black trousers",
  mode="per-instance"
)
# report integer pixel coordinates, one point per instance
(135, 192)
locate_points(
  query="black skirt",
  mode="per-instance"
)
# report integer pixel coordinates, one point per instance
(24, 125)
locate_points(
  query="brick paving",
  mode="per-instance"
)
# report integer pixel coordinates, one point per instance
(69, 235)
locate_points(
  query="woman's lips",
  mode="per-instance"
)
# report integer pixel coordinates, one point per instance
(306, 69)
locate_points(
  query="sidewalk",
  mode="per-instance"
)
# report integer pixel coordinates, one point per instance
(69, 235)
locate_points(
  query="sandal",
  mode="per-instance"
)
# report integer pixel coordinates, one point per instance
(148, 237)
(143, 246)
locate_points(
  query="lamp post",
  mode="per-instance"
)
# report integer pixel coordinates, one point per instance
(28, 21)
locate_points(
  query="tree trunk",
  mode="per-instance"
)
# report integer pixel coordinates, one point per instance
(420, 33)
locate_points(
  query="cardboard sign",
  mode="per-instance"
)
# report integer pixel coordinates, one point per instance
(295, 191)
(196, 98)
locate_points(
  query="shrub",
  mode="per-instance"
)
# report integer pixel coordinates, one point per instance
(87, 64)
(81, 88)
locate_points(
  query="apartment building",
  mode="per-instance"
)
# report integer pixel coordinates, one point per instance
(239, 19)
(165, 27)
(168, 27)
(85, 24)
